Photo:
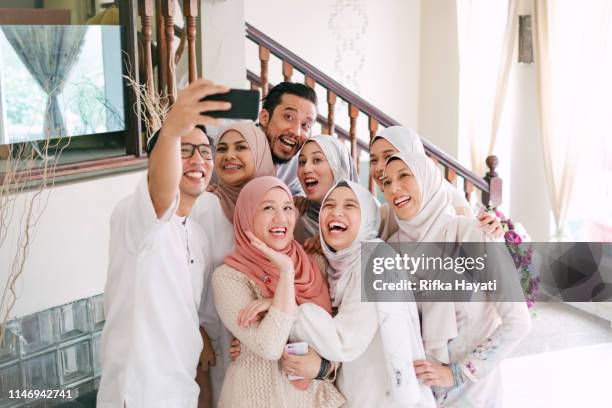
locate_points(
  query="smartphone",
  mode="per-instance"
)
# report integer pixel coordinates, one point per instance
(245, 104)
(297, 349)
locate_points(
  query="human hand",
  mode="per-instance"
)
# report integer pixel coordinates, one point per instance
(188, 109)
(254, 311)
(280, 260)
(433, 374)
(306, 366)
(234, 350)
(313, 245)
(490, 224)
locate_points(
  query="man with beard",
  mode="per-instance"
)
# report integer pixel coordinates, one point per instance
(287, 116)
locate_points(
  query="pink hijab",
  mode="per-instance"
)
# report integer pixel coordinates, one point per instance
(256, 138)
(310, 285)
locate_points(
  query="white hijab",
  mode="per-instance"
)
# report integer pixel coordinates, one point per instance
(338, 156)
(342, 166)
(435, 222)
(342, 262)
(406, 140)
(398, 321)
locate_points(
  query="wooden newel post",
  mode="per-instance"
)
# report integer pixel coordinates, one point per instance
(494, 196)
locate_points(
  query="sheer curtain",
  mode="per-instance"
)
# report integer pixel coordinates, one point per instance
(573, 57)
(48, 52)
(487, 37)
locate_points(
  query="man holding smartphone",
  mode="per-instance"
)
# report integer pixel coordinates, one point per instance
(158, 263)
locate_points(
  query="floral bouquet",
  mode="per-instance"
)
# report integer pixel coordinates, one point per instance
(516, 237)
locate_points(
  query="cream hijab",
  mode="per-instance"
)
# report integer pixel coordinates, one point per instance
(406, 140)
(342, 166)
(344, 262)
(436, 221)
(398, 322)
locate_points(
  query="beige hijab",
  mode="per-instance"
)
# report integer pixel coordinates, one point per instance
(436, 221)
(255, 137)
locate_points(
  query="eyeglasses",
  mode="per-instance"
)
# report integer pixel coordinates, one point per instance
(188, 149)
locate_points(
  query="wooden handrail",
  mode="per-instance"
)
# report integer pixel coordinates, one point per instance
(292, 61)
(342, 133)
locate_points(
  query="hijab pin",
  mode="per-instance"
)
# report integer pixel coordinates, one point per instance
(266, 278)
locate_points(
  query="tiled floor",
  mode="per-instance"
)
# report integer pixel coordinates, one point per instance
(565, 362)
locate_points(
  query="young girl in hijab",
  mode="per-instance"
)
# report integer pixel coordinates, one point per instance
(464, 342)
(242, 154)
(376, 342)
(323, 160)
(270, 266)
(396, 139)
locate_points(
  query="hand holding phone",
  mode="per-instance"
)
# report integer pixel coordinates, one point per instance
(296, 349)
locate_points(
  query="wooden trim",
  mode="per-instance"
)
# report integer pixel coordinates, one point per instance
(73, 169)
(129, 43)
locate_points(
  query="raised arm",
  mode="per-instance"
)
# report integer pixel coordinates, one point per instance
(165, 165)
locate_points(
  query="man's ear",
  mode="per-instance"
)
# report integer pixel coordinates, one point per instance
(264, 117)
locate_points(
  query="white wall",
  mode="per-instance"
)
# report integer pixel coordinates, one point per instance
(69, 253)
(439, 80)
(390, 44)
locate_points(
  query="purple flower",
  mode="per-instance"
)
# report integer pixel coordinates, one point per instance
(513, 238)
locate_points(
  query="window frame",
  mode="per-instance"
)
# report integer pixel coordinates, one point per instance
(134, 158)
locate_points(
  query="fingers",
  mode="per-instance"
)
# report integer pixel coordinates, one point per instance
(209, 106)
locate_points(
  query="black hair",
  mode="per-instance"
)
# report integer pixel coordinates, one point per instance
(153, 140)
(273, 99)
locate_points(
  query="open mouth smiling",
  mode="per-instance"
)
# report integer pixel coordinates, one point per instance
(336, 227)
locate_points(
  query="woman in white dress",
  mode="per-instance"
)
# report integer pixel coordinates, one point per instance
(242, 154)
(376, 342)
(464, 342)
(322, 161)
(401, 139)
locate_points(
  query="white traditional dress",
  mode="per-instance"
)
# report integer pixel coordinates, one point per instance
(476, 336)
(376, 343)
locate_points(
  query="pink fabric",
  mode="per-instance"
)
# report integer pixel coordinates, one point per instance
(256, 138)
(310, 285)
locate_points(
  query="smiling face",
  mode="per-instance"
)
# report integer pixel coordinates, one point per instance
(196, 170)
(402, 190)
(234, 159)
(274, 219)
(314, 173)
(288, 126)
(380, 151)
(340, 218)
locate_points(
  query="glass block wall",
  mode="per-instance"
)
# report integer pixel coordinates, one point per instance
(58, 348)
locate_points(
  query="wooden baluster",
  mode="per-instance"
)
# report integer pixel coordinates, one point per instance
(468, 189)
(450, 175)
(309, 81)
(287, 71)
(162, 50)
(190, 9)
(168, 10)
(145, 10)
(494, 196)
(264, 58)
(331, 111)
(353, 114)
(373, 126)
